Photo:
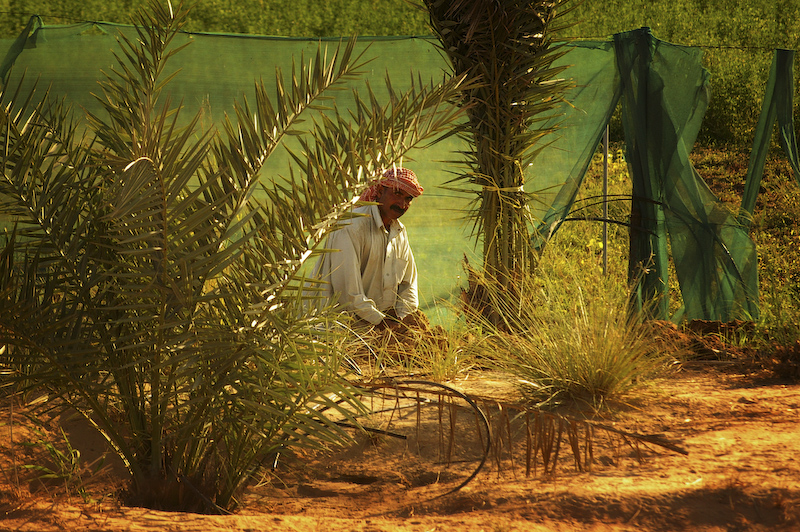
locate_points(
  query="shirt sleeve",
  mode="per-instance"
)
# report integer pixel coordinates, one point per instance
(407, 296)
(345, 277)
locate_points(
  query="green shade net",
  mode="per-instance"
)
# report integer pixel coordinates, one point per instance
(559, 169)
(665, 93)
(663, 89)
(777, 106)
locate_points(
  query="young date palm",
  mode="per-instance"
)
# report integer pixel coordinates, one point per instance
(509, 46)
(153, 281)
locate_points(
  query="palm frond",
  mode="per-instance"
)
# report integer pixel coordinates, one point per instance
(151, 278)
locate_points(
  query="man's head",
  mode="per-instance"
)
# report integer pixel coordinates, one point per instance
(393, 203)
(394, 193)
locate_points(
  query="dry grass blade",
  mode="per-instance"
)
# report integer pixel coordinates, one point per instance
(453, 412)
(506, 423)
(654, 439)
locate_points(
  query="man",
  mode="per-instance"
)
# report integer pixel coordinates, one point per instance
(373, 274)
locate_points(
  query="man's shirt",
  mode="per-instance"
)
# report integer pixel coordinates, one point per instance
(373, 270)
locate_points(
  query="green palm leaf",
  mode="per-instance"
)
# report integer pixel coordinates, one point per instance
(154, 281)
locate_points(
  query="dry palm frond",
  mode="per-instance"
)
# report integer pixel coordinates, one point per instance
(426, 416)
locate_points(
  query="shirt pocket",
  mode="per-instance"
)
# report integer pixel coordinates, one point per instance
(396, 265)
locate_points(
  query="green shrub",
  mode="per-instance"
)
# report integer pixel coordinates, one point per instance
(147, 287)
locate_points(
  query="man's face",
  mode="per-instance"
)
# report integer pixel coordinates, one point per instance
(393, 203)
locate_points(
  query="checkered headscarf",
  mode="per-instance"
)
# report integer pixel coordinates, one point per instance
(396, 178)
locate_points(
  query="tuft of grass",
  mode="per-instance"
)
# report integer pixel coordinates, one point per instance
(573, 335)
(422, 350)
(444, 355)
(66, 467)
(597, 355)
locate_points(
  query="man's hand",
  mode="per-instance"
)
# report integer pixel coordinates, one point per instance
(391, 322)
(388, 323)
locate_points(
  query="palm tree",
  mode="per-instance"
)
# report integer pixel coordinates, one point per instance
(509, 46)
(153, 280)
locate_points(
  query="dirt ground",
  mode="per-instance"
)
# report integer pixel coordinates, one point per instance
(740, 433)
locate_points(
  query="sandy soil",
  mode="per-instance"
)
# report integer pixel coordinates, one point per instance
(741, 472)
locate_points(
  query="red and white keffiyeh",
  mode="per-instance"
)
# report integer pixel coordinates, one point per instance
(396, 178)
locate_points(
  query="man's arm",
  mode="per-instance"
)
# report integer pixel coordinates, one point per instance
(345, 277)
(407, 295)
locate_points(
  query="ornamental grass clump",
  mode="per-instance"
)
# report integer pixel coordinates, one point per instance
(575, 337)
(421, 350)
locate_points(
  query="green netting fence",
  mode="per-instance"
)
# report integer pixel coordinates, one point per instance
(662, 87)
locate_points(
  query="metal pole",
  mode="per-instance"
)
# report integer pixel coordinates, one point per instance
(605, 201)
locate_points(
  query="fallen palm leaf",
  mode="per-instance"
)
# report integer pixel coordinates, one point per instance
(496, 429)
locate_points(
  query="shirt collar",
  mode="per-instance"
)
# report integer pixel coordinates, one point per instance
(396, 227)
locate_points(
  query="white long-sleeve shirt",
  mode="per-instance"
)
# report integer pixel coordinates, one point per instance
(373, 270)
